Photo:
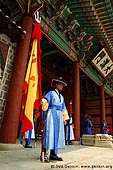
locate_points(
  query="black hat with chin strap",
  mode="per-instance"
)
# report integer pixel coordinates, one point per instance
(59, 80)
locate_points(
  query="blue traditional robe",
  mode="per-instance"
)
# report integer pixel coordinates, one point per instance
(104, 129)
(69, 131)
(54, 137)
(88, 127)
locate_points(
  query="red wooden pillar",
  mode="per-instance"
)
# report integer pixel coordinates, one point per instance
(76, 101)
(9, 129)
(102, 105)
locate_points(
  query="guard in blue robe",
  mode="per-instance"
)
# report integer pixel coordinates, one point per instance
(104, 128)
(55, 117)
(88, 125)
(69, 131)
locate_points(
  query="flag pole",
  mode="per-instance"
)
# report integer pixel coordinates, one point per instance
(38, 19)
(42, 131)
(40, 109)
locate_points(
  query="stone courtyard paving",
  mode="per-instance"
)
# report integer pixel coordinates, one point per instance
(75, 157)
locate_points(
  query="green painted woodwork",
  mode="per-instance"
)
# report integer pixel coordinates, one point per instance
(108, 90)
(93, 75)
(59, 39)
(103, 19)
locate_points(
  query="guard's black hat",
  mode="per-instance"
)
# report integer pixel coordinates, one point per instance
(59, 80)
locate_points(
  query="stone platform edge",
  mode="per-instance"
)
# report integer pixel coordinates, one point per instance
(103, 140)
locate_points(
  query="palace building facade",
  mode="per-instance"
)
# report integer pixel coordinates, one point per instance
(77, 44)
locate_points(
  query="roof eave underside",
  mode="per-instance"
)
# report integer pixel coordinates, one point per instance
(97, 18)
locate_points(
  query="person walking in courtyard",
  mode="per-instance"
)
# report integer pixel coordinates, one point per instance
(56, 117)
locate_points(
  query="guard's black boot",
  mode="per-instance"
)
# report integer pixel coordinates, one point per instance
(70, 143)
(27, 145)
(53, 156)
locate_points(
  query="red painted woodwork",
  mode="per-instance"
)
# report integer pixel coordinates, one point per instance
(76, 101)
(9, 129)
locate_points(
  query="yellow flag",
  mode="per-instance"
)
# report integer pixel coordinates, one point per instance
(31, 82)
